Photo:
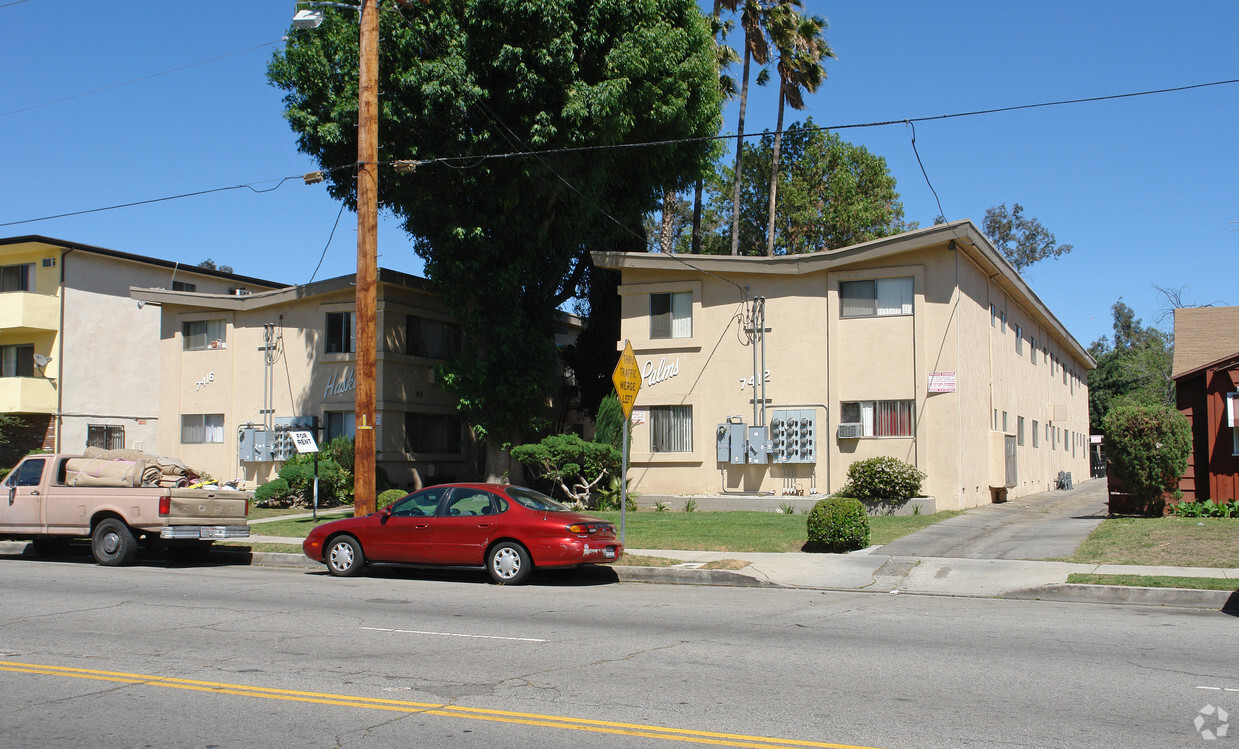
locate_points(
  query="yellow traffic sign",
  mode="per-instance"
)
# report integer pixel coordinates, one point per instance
(627, 379)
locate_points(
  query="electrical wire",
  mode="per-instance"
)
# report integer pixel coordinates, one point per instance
(135, 80)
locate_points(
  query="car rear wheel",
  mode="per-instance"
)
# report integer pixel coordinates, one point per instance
(344, 557)
(508, 563)
(112, 543)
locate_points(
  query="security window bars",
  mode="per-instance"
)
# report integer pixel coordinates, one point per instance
(340, 332)
(197, 335)
(882, 297)
(671, 429)
(197, 429)
(105, 437)
(17, 360)
(17, 277)
(432, 433)
(671, 315)
(433, 339)
(879, 418)
(183, 286)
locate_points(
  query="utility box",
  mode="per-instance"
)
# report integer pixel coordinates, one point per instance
(758, 445)
(253, 445)
(794, 435)
(730, 445)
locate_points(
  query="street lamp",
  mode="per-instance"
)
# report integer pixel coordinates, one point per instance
(367, 240)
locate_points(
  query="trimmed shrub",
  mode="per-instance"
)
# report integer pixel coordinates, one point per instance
(1148, 447)
(386, 498)
(883, 479)
(838, 524)
(274, 493)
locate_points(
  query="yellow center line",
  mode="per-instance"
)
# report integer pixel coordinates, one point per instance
(428, 708)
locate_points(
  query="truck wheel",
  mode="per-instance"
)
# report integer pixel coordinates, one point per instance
(508, 563)
(112, 543)
(344, 557)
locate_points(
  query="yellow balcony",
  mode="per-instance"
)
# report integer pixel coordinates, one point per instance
(27, 395)
(22, 310)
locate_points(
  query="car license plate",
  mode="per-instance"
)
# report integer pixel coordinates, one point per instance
(609, 552)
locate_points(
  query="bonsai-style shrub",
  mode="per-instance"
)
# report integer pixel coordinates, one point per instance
(574, 465)
(386, 498)
(838, 524)
(1148, 447)
(883, 479)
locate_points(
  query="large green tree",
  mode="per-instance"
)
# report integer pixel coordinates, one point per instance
(506, 240)
(831, 194)
(1021, 239)
(1133, 368)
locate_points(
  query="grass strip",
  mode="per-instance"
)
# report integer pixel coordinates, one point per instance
(1164, 542)
(1156, 581)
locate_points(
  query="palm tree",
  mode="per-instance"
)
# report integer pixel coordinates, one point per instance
(752, 21)
(801, 48)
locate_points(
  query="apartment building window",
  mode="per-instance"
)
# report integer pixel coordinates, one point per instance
(1004, 422)
(671, 315)
(197, 429)
(879, 418)
(184, 286)
(433, 339)
(1019, 430)
(882, 297)
(340, 423)
(1036, 435)
(993, 316)
(17, 277)
(1232, 419)
(105, 436)
(197, 335)
(431, 433)
(1019, 340)
(1032, 349)
(17, 360)
(671, 429)
(1002, 316)
(339, 332)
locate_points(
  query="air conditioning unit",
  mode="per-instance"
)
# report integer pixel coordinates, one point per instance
(851, 431)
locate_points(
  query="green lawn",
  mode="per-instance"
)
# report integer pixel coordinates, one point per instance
(1171, 541)
(1156, 581)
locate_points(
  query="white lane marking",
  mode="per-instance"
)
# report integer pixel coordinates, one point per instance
(1220, 689)
(452, 634)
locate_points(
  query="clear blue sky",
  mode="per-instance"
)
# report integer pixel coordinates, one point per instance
(1144, 187)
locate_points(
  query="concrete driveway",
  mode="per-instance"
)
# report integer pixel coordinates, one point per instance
(1050, 525)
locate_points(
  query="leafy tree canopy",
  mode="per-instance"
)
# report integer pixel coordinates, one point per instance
(1133, 369)
(506, 240)
(1021, 239)
(831, 193)
(209, 264)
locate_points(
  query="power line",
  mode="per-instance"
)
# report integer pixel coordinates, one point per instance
(135, 80)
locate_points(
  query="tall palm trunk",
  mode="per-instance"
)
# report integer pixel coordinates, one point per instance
(774, 175)
(735, 193)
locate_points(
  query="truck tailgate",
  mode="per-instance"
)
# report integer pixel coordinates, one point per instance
(208, 507)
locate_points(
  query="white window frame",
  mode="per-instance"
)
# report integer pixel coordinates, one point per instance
(671, 429)
(892, 297)
(677, 320)
(202, 429)
(202, 335)
(872, 414)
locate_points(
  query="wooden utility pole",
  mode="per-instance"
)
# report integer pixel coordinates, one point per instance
(365, 343)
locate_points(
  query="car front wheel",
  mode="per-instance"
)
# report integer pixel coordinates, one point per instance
(508, 563)
(344, 557)
(112, 543)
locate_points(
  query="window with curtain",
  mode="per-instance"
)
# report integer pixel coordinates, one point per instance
(671, 429)
(882, 297)
(17, 277)
(105, 437)
(197, 429)
(671, 315)
(879, 418)
(433, 339)
(339, 333)
(202, 334)
(17, 360)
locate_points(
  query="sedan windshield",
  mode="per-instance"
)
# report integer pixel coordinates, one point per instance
(535, 500)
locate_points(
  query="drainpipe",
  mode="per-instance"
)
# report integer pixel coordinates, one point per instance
(60, 356)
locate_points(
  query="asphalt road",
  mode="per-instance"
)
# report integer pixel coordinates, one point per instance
(1049, 525)
(251, 657)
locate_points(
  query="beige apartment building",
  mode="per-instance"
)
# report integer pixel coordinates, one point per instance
(770, 376)
(79, 359)
(239, 371)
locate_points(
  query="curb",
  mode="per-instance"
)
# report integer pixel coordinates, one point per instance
(1217, 600)
(672, 576)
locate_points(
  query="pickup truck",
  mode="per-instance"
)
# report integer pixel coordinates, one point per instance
(39, 502)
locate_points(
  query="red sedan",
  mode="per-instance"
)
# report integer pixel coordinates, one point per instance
(509, 530)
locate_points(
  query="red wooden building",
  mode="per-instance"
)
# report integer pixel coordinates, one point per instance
(1206, 376)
